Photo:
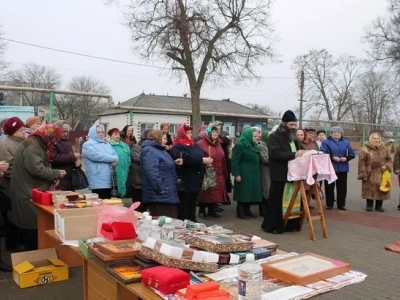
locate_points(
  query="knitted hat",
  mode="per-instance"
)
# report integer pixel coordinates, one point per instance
(337, 128)
(112, 130)
(289, 116)
(32, 120)
(321, 131)
(12, 125)
(3, 121)
(202, 127)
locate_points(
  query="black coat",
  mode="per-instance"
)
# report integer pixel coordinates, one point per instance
(64, 159)
(279, 155)
(192, 171)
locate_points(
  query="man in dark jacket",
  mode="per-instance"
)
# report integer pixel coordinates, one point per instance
(282, 147)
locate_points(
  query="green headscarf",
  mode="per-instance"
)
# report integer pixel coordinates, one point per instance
(246, 138)
(264, 136)
(208, 132)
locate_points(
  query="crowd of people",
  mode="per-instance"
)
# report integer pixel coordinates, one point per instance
(183, 176)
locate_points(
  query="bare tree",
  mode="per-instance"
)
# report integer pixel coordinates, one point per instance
(204, 40)
(328, 82)
(264, 109)
(383, 36)
(36, 76)
(376, 98)
(82, 108)
(3, 45)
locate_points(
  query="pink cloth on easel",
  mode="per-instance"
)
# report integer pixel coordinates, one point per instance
(305, 167)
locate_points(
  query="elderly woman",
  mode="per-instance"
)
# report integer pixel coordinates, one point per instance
(341, 152)
(124, 160)
(159, 176)
(373, 160)
(99, 159)
(211, 147)
(247, 173)
(127, 136)
(31, 124)
(64, 157)
(191, 172)
(32, 170)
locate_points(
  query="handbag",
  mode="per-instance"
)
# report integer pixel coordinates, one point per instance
(385, 182)
(210, 175)
(78, 179)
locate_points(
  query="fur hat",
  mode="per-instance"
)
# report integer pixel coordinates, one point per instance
(32, 120)
(289, 116)
(12, 125)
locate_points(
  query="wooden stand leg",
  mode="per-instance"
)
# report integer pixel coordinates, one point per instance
(45, 221)
(320, 210)
(306, 210)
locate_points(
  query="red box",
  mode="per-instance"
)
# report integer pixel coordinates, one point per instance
(166, 280)
(43, 198)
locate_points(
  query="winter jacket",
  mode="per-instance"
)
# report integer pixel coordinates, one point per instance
(215, 151)
(64, 159)
(98, 155)
(122, 168)
(192, 171)
(7, 152)
(158, 174)
(134, 169)
(338, 148)
(29, 172)
(280, 154)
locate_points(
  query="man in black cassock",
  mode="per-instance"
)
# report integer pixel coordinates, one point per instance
(283, 146)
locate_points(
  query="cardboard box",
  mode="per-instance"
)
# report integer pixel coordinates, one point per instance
(75, 223)
(38, 267)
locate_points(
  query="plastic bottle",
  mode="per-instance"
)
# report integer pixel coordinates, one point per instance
(142, 220)
(167, 231)
(250, 279)
(155, 230)
(145, 228)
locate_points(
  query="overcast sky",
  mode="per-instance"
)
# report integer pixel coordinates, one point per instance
(90, 27)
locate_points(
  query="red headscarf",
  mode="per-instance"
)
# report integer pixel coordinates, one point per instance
(181, 137)
(49, 134)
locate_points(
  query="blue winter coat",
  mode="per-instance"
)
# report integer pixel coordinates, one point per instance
(158, 174)
(338, 148)
(98, 155)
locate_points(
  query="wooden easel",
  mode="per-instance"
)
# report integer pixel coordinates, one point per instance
(305, 200)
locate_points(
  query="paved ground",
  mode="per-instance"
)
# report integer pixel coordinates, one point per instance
(355, 236)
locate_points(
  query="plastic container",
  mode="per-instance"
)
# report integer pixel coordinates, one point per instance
(250, 280)
(167, 231)
(145, 229)
(142, 220)
(155, 230)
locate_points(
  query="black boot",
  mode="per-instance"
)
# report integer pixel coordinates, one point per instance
(262, 208)
(240, 211)
(370, 205)
(212, 213)
(248, 212)
(202, 212)
(378, 205)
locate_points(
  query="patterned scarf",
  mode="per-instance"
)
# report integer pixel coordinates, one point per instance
(48, 135)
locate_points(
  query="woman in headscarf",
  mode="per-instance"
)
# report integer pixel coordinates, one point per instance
(211, 147)
(159, 188)
(64, 157)
(32, 170)
(135, 173)
(202, 131)
(191, 173)
(374, 159)
(246, 170)
(127, 136)
(265, 174)
(99, 158)
(124, 160)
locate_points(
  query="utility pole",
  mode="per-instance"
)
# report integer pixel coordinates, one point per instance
(301, 86)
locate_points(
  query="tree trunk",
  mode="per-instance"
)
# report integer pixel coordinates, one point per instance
(196, 114)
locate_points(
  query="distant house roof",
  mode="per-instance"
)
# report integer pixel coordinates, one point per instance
(179, 105)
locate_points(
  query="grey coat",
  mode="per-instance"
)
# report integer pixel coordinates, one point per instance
(265, 174)
(7, 151)
(29, 172)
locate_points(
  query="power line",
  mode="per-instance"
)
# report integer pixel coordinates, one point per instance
(113, 60)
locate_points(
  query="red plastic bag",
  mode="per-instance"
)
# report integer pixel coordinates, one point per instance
(114, 213)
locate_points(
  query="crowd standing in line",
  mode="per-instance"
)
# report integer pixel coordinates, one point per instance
(167, 174)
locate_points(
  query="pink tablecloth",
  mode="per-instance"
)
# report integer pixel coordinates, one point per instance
(305, 167)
